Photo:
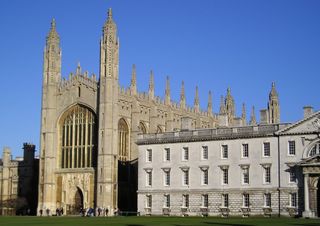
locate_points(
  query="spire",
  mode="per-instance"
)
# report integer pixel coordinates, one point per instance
(230, 107)
(209, 104)
(167, 92)
(53, 36)
(196, 100)
(253, 120)
(133, 86)
(273, 105)
(243, 115)
(151, 85)
(182, 96)
(222, 106)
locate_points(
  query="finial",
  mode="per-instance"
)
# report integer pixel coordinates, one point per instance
(109, 13)
(196, 98)
(182, 94)
(78, 72)
(167, 100)
(209, 109)
(222, 105)
(253, 120)
(53, 23)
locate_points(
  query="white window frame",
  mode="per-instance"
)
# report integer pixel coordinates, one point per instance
(225, 176)
(204, 152)
(185, 177)
(166, 155)
(185, 200)
(148, 178)
(149, 155)
(267, 174)
(148, 201)
(245, 175)
(224, 151)
(246, 200)
(291, 148)
(166, 177)
(205, 200)
(293, 199)
(185, 154)
(204, 176)
(265, 143)
(166, 201)
(245, 150)
(267, 200)
(225, 200)
(292, 174)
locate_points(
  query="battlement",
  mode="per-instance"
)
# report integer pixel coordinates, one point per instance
(29, 147)
(75, 79)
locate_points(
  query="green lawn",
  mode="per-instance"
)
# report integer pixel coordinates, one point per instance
(148, 221)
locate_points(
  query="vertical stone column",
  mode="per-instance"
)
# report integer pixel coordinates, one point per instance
(306, 213)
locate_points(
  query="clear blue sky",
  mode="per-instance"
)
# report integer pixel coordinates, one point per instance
(244, 45)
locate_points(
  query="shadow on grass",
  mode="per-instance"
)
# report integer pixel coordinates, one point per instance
(227, 224)
(308, 224)
(135, 225)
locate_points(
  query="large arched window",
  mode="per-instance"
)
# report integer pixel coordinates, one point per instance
(315, 150)
(123, 137)
(78, 138)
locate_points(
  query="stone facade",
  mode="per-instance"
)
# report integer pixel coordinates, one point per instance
(262, 169)
(18, 182)
(90, 125)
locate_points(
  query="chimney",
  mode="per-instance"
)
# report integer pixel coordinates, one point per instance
(307, 111)
(264, 116)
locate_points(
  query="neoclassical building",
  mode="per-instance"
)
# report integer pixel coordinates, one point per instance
(90, 125)
(264, 169)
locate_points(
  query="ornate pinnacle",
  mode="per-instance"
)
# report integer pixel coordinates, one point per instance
(151, 85)
(210, 101)
(222, 105)
(167, 91)
(53, 35)
(133, 75)
(196, 98)
(182, 95)
(253, 117)
(110, 14)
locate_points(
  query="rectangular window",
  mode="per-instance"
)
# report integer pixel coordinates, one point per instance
(266, 149)
(292, 147)
(267, 175)
(246, 200)
(205, 200)
(185, 200)
(149, 178)
(149, 155)
(167, 154)
(204, 176)
(167, 178)
(204, 152)
(166, 203)
(267, 200)
(185, 177)
(225, 200)
(293, 199)
(185, 154)
(224, 150)
(148, 201)
(225, 176)
(292, 176)
(245, 150)
(245, 176)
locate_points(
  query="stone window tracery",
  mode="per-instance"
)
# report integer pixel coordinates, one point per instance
(78, 142)
(315, 150)
(123, 140)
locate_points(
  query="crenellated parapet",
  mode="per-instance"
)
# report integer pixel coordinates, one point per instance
(78, 79)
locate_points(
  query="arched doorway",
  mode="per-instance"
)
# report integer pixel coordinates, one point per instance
(77, 202)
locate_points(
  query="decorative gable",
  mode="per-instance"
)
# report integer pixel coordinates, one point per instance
(307, 125)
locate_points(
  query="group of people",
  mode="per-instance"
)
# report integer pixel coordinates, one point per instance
(90, 212)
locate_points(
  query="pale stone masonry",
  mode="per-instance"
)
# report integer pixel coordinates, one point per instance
(90, 125)
(261, 169)
(18, 182)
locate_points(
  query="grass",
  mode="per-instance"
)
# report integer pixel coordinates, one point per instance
(150, 221)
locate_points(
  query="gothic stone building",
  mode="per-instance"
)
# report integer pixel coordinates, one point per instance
(89, 126)
(19, 182)
(259, 169)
